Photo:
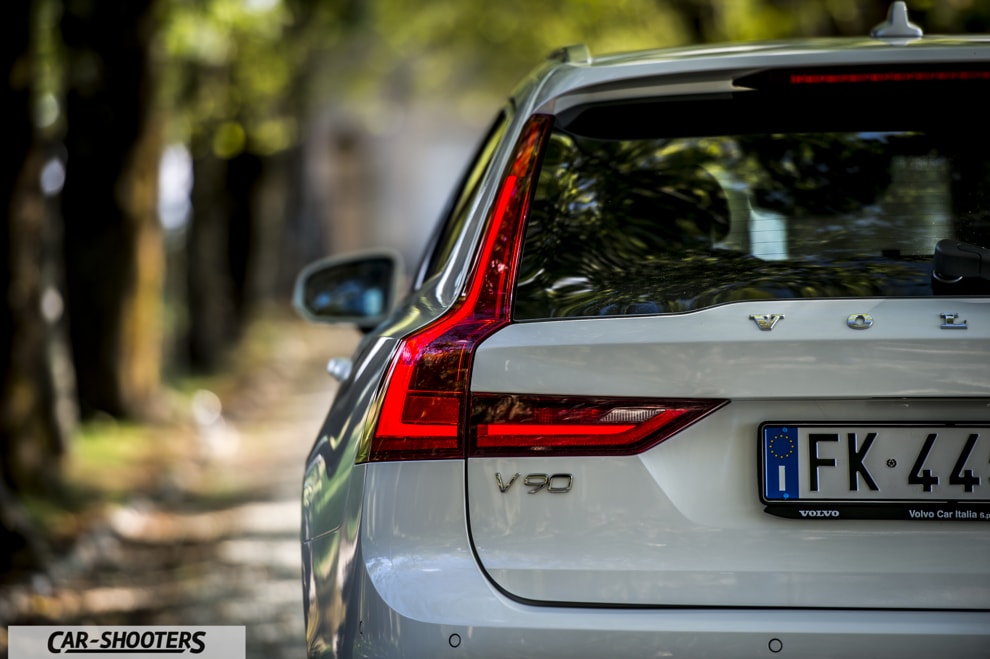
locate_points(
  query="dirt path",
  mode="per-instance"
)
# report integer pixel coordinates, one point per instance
(220, 544)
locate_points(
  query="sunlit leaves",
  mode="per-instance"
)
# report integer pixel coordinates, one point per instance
(229, 139)
(489, 45)
(228, 73)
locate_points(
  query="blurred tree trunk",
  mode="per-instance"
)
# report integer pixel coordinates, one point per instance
(221, 251)
(698, 17)
(304, 236)
(311, 222)
(113, 243)
(34, 418)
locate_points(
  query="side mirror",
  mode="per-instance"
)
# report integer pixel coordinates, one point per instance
(356, 288)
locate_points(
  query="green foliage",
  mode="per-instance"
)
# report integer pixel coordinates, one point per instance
(48, 67)
(454, 44)
(228, 73)
(265, 65)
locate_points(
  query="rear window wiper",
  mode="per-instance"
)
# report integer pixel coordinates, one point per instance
(955, 260)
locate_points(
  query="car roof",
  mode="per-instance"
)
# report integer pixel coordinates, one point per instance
(573, 73)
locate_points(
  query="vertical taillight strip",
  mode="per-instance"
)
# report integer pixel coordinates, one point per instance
(425, 399)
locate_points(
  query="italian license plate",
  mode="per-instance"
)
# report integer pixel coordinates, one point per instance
(876, 471)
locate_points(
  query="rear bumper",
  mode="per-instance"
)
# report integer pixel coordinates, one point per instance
(443, 605)
(460, 615)
(551, 632)
(407, 584)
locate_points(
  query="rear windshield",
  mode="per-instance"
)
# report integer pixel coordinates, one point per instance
(667, 206)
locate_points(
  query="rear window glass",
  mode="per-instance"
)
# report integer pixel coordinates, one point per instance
(666, 207)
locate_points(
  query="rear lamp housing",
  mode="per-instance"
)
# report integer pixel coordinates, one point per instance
(424, 406)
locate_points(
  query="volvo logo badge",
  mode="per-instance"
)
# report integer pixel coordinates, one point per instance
(860, 321)
(766, 321)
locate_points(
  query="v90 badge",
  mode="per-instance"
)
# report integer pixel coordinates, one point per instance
(552, 483)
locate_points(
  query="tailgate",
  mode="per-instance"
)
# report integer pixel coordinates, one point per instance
(712, 515)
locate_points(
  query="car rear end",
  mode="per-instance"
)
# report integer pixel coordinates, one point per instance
(706, 390)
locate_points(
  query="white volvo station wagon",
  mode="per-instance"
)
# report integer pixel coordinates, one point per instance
(697, 363)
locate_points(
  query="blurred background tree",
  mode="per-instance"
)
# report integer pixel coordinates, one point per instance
(275, 128)
(111, 235)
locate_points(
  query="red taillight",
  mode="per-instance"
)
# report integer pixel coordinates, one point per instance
(886, 76)
(426, 388)
(510, 425)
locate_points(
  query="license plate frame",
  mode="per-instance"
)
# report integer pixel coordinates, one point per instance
(866, 470)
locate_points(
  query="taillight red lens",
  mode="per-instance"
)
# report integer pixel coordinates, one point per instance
(511, 425)
(887, 76)
(427, 386)
(866, 75)
(424, 406)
